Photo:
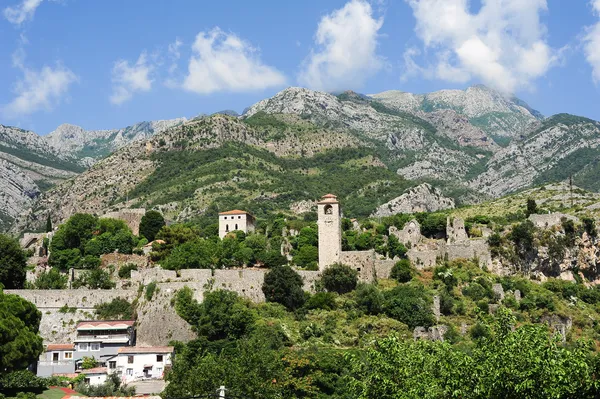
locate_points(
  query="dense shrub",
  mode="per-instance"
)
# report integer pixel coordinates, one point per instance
(13, 261)
(117, 309)
(151, 224)
(51, 280)
(283, 285)
(94, 279)
(125, 270)
(402, 271)
(150, 290)
(369, 299)
(409, 304)
(321, 300)
(339, 278)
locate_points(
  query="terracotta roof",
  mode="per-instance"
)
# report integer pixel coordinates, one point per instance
(146, 349)
(105, 324)
(60, 347)
(234, 212)
(329, 196)
(95, 370)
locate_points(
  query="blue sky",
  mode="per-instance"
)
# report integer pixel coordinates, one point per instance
(109, 63)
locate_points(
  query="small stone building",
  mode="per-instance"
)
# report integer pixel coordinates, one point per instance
(235, 220)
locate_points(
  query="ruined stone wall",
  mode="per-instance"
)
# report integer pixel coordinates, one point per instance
(383, 267)
(468, 250)
(131, 217)
(544, 221)
(361, 261)
(123, 259)
(423, 258)
(80, 299)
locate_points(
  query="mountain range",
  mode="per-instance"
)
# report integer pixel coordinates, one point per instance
(472, 144)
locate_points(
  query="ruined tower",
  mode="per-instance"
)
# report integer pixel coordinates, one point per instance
(330, 231)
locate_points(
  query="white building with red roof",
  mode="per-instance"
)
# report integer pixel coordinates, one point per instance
(235, 220)
(137, 363)
(56, 359)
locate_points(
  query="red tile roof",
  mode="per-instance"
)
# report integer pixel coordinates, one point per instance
(146, 349)
(329, 196)
(105, 324)
(96, 370)
(60, 347)
(234, 212)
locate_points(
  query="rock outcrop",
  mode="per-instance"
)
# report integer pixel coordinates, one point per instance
(422, 198)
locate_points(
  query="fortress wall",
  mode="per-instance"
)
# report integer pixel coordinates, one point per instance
(131, 217)
(362, 261)
(383, 268)
(423, 259)
(310, 278)
(469, 250)
(200, 275)
(123, 259)
(80, 299)
(246, 282)
(146, 276)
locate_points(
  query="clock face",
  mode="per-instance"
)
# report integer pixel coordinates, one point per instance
(328, 220)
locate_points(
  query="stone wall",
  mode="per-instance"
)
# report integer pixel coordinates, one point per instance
(131, 217)
(545, 221)
(423, 258)
(361, 261)
(80, 299)
(123, 259)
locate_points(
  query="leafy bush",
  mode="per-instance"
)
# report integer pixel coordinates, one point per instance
(22, 380)
(409, 304)
(117, 309)
(51, 280)
(402, 271)
(369, 299)
(339, 278)
(89, 362)
(321, 300)
(150, 290)
(94, 279)
(111, 388)
(283, 285)
(13, 261)
(125, 270)
(307, 256)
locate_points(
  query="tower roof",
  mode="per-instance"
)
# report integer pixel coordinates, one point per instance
(328, 198)
(234, 212)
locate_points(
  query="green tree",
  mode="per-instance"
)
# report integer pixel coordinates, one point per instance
(395, 248)
(151, 224)
(117, 309)
(51, 280)
(307, 256)
(272, 258)
(339, 278)
(221, 315)
(369, 299)
(94, 279)
(89, 362)
(283, 285)
(409, 304)
(198, 254)
(12, 263)
(20, 345)
(402, 271)
(173, 236)
(532, 208)
(48, 224)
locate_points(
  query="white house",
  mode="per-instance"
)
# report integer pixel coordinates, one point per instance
(95, 376)
(135, 363)
(57, 359)
(235, 220)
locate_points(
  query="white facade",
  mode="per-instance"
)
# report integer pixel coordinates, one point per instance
(96, 376)
(330, 231)
(235, 220)
(142, 363)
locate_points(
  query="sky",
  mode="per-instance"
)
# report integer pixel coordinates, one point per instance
(104, 64)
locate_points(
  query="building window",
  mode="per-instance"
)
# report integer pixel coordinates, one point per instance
(130, 359)
(68, 355)
(159, 371)
(159, 358)
(239, 217)
(55, 357)
(129, 372)
(227, 228)
(225, 217)
(328, 210)
(112, 364)
(83, 347)
(86, 381)
(95, 346)
(236, 226)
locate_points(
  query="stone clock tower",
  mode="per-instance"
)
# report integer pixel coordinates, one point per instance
(330, 231)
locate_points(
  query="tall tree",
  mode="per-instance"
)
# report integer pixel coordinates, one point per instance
(48, 224)
(19, 324)
(151, 224)
(12, 263)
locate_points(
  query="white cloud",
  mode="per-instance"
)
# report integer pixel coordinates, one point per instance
(592, 44)
(224, 62)
(347, 49)
(129, 79)
(503, 45)
(22, 12)
(39, 90)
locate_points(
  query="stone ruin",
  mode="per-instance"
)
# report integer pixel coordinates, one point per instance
(425, 252)
(131, 217)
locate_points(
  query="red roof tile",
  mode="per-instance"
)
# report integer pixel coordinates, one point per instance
(234, 212)
(96, 370)
(60, 347)
(146, 349)
(97, 325)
